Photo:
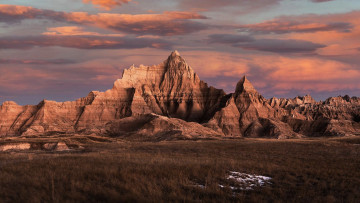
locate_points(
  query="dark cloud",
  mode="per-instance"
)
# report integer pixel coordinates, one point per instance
(174, 27)
(281, 26)
(82, 42)
(229, 38)
(166, 24)
(14, 14)
(242, 5)
(269, 45)
(36, 62)
(280, 46)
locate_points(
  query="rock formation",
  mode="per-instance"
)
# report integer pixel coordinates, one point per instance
(169, 101)
(156, 127)
(249, 114)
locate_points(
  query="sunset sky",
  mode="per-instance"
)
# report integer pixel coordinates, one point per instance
(60, 50)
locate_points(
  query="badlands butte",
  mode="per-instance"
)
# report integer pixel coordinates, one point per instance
(169, 101)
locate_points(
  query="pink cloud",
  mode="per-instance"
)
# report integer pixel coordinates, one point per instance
(338, 33)
(183, 15)
(272, 74)
(35, 61)
(75, 31)
(167, 23)
(280, 26)
(81, 42)
(338, 43)
(107, 4)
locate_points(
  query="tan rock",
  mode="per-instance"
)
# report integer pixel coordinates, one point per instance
(226, 120)
(157, 127)
(15, 146)
(61, 146)
(181, 102)
(50, 146)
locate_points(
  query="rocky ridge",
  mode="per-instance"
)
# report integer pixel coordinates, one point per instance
(169, 101)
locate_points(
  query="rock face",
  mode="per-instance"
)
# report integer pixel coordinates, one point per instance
(169, 101)
(249, 114)
(156, 127)
(169, 89)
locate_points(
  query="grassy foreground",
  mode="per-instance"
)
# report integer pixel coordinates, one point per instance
(322, 170)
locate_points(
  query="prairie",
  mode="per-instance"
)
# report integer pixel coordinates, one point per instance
(114, 170)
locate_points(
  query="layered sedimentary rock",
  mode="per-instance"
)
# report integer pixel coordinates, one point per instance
(249, 114)
(337, 116)
(156, 127)
(13, 117)
(170, 89)
(169, 101)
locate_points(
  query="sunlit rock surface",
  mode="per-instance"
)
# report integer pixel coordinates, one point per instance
(169, 101)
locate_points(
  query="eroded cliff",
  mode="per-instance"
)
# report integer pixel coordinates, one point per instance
(169, 101)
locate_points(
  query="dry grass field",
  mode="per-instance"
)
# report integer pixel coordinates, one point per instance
(102, 170)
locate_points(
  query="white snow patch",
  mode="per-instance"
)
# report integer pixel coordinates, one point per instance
(242, 181)
(200, 186)
(246, 181)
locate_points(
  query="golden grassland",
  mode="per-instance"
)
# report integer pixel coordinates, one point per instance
(309, 170)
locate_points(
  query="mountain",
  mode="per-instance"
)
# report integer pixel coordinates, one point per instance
(169, 101)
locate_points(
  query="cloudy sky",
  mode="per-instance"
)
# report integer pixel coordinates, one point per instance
(60, 50)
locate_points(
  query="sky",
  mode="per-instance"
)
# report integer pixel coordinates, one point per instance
(61, 50)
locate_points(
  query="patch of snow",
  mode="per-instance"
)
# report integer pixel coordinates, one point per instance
(231, 187)
(200, 186)
(246, 181)
(243, 181)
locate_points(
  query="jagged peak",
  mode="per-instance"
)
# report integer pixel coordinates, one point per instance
(307, 99)
(176, 65)
(244, 85)
(93, 94)
(175, 53)
(175, 58)
(342, 99)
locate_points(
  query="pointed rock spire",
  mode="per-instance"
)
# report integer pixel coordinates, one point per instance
(175, 57)
(177, 64)
(178, 75)
(175, 53)
(244, 85)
